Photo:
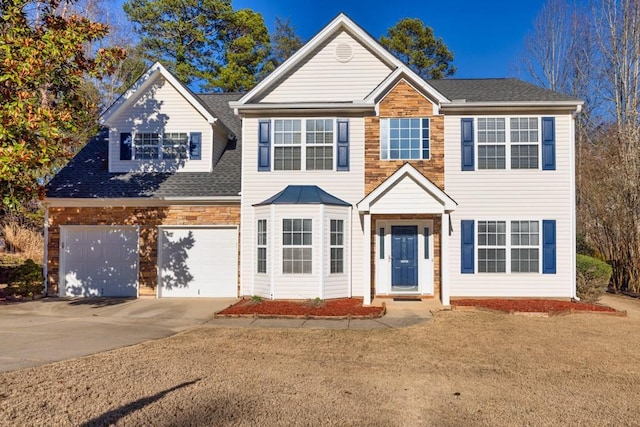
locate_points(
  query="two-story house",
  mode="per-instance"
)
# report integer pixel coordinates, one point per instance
(357, 178)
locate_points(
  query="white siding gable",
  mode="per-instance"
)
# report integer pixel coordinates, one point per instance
(406, 196)
(160, 108)
(331, 74)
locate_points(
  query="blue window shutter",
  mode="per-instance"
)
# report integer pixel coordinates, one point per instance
(549, 246)
(195, 146)
(468, 250)
(264, 145)
(467, 144)
(126, 147)
(548, 143)
(342, 163)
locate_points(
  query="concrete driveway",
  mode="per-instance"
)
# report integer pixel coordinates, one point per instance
(48, 330)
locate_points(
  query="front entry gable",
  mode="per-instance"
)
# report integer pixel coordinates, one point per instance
(407, 191)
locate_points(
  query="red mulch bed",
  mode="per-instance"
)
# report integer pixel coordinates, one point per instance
(531, 305)
(344, 307)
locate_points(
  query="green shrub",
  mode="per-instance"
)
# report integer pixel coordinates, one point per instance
(26, 280)
(592, 277)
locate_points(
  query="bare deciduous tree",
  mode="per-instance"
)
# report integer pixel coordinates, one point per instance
(594, 53)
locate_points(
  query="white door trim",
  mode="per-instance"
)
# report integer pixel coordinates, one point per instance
(426, 268)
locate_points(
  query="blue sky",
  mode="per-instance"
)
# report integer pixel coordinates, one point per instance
(485, 36)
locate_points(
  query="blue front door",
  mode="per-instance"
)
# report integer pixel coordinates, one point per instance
(404, 257)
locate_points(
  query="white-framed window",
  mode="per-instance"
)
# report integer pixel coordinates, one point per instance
(525, 246)
(492, 246)
(524, 142)
(261, 261)
(491, 143)
(319, 140)
(287, 144)
(515, 138)
(174, 145)
(336, 243)
(146, 146)
(509, 246)
(297, 249)
(304, 144)
(155, 146)
(404, 139)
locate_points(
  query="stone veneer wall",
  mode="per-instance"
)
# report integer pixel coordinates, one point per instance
(403, 101)
(436, 246)
(148, 219)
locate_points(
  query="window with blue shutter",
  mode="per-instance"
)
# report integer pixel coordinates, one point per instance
(126, 147)
(549, 246)
(264, 145)
(342, 163)
(467, 246)
(195, 146)
(467, 154)
(548, 143)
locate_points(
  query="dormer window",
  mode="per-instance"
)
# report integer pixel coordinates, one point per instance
(146, 146)
(174, 146)
(154, 146)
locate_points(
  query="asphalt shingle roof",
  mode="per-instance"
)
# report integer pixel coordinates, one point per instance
(88, 176)
(496, 90)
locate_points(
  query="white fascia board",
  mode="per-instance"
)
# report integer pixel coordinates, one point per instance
(407, 170)
(304, 107)
(340, 22)
(521, 105)
(165, 201)
(142, 83)
(404, 73)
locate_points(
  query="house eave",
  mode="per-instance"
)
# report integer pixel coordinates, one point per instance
(138, 201)
(311, 107)
(495, 106)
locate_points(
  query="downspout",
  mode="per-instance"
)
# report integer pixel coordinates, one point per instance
(45, 255)
(349, 277)
(573, 225)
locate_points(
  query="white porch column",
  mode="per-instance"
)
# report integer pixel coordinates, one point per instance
(366, 265)
(444, 259)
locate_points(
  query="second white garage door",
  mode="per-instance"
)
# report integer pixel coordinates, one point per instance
(198, 262)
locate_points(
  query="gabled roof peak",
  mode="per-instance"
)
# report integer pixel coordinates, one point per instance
(143, 82)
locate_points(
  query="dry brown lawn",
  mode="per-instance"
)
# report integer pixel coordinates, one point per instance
(463, 368)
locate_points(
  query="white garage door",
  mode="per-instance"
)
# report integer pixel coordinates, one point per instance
(198, 262)
(99, 261)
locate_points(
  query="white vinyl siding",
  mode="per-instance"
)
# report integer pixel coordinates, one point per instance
(259, 186)
(160, 109)
(407, 196)
(323, 78)
(512, 195)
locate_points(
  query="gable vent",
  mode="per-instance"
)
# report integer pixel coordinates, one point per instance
(344, 53)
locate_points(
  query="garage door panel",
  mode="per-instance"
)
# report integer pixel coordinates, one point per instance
(100, 261)
(198, 262)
